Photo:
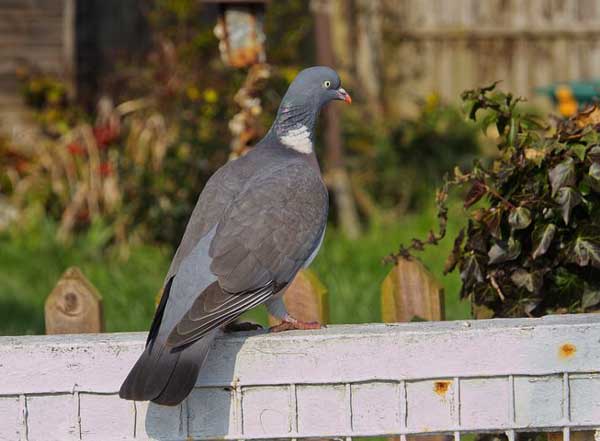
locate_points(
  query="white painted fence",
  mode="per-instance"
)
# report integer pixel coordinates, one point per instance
(343, 381)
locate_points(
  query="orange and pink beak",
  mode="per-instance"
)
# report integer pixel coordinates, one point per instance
(344, 96)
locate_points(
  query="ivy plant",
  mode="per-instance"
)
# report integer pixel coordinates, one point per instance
(531, 244)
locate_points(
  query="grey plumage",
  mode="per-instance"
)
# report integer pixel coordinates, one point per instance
(257, 222)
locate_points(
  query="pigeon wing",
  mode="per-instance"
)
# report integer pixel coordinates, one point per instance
(270, 230)
(263, 238)
(217, 195)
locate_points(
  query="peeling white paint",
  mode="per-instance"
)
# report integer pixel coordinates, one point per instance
(343, 381)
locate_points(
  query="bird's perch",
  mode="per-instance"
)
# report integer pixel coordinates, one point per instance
(415, 378)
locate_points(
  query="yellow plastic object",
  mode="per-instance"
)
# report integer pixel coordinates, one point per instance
(567, 104)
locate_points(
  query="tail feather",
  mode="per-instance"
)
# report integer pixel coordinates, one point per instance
(150, 374)
(184, 375)
(165, 376)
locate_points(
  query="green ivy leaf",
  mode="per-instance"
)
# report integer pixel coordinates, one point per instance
(594, 171)
(504, 251)
(586, 252)
(591, 297)
(579, 150)
(476, 240)
(585, 186)
(567, 198)
(531, 281)
(542, 238)
(562, 175)
(493, 220)
(519, 218)
(488, 120)
(471, 272)
(593, 177)
(513, 131)
(594, 153)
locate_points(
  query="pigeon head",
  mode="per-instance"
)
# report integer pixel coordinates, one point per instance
(315, 87)
(309, 92)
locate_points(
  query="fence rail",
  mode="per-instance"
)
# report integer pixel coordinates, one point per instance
(344, 381)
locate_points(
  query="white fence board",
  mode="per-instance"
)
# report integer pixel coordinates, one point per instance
(369, 380)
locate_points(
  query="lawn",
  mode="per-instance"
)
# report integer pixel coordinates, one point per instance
(31, 261)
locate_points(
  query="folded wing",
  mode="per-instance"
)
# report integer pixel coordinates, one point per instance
(261, 241)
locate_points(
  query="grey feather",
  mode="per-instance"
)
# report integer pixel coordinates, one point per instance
(289, 201)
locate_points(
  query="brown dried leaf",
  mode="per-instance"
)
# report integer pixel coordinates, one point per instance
(590, 116)
(476, 192)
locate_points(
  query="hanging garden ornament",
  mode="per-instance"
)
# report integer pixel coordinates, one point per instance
(240, 31)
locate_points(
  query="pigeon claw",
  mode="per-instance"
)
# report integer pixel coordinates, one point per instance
(290, 324)
(241, 327)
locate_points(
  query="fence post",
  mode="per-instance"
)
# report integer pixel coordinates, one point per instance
(410, 292)
(306, 299)
(74, 306)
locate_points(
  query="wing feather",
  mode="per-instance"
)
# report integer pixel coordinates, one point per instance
(270, 229)
(212, 309)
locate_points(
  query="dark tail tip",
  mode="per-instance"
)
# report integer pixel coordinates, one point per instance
(180, 383)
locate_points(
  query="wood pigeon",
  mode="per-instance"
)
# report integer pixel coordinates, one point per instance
(258, 221)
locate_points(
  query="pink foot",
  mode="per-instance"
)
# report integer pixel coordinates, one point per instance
(291, 323)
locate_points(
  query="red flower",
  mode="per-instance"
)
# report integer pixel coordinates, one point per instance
(75, 149)
(83, 215)
(106, 169)
(105, 134)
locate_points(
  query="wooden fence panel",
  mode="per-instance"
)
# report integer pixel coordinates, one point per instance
(447, 46)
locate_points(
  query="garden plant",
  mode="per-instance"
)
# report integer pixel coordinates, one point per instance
(531, 245)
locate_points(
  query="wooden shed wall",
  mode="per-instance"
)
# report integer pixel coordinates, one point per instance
(38, 34)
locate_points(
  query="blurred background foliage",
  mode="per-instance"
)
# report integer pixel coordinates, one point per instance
(110, 185)
(398, 165)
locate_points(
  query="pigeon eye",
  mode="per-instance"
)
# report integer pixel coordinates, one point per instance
(326, 84)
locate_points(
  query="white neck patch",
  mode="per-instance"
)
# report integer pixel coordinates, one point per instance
(298, 139)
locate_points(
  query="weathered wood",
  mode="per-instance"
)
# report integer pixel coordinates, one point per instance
(410, 292)
(36, 29)
(38, 35)
(575, 436)
(306, 299)
(74, 306)
(368, 380)
(524, 43)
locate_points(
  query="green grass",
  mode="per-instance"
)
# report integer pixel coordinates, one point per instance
(353, 270)
(31, 261)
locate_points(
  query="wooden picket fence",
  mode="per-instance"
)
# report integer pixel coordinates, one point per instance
(75, 305)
